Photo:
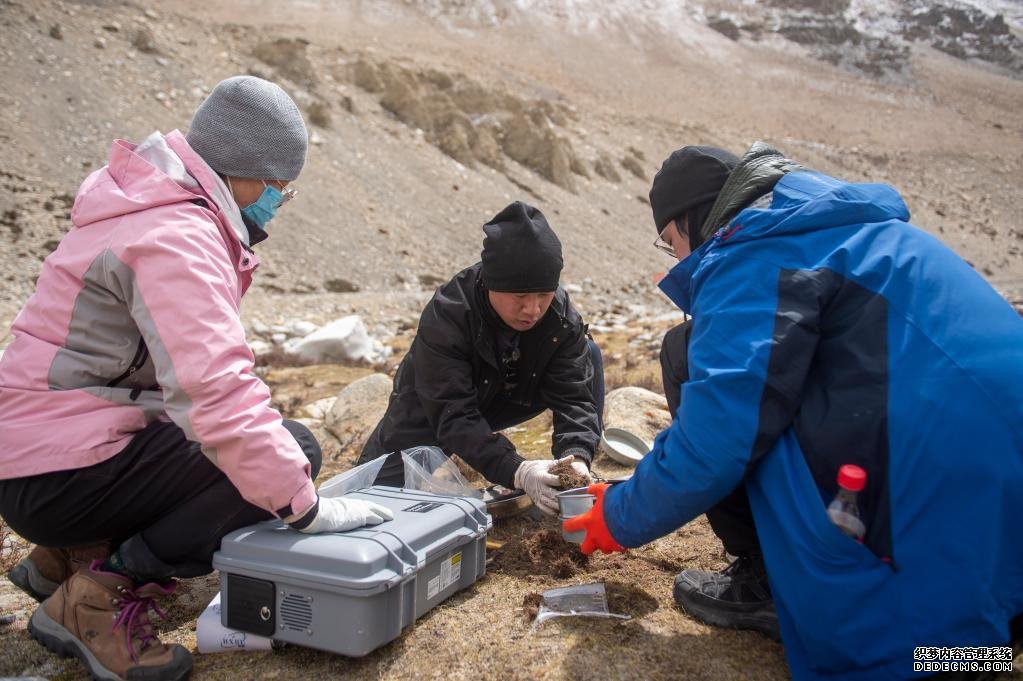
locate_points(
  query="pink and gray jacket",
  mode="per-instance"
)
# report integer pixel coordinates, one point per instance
(135, 318)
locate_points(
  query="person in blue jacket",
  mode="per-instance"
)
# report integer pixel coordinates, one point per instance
(827, 330)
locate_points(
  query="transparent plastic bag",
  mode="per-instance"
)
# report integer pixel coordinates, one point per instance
(581, 600)
(428, 469)
(359, 477)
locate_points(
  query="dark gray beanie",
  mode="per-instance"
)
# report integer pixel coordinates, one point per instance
(250, 127)
(521, 253)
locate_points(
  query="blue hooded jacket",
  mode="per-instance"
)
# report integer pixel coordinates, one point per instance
(827, 330)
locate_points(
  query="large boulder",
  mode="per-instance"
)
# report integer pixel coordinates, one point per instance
(356, 412)
(637, 410)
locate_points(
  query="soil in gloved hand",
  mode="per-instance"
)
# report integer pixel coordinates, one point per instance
(568, 478)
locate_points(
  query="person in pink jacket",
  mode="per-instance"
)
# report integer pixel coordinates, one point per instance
(134, 432)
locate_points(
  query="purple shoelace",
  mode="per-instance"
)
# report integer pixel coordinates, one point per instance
(134, 617)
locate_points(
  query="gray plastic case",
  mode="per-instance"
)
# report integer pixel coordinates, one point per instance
(352, 592)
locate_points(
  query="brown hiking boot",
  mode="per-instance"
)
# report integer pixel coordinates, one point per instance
(103, 619)
(44, 569)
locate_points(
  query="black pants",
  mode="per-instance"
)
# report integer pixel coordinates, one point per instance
(731, 518)
(163, 503)
(501, 416)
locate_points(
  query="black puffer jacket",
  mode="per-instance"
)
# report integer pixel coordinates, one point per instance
(452, 376)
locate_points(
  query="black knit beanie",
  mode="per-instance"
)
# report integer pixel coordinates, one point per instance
(521, 253)
(689, 182)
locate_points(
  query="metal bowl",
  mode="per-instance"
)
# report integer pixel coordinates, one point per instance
(623, 446)
(505, 503)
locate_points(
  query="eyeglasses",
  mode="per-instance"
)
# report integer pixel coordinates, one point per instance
(287, 194)
(661, 244)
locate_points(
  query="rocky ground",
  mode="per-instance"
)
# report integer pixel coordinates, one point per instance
(427, 118)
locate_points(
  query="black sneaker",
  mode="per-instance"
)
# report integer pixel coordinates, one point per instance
(738, 597)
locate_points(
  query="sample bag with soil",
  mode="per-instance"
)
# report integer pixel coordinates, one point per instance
(581, 600)
(427, 469)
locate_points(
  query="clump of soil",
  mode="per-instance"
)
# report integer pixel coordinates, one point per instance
(531, 605)
(542, 553)
(568, 478)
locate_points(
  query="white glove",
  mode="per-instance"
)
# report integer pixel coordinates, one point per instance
(533, 478)
(341, 515)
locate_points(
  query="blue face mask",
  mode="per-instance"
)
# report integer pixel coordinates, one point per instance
(265, 207)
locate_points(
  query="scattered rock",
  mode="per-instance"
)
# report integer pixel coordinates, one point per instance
(260, 348)
(143, 41)
(431, 280)
(319, 409)
(300, 328)
(357, 410)
(578, 166)
(725, 27)
(289, 59)
(632, 164)
(340, 286)
(56, 32)
(637, 410)
(605, 167)
(319, 114)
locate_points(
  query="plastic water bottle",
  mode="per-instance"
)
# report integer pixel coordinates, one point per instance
(843, 511)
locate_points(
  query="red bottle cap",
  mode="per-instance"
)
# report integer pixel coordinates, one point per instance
(852, 478)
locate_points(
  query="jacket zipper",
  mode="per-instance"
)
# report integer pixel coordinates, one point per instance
(141, 355)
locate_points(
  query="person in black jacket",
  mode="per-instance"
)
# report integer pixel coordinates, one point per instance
(497, 345)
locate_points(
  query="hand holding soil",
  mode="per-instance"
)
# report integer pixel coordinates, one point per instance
(569, 477)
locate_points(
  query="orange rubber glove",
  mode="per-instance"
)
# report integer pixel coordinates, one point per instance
(597, 534)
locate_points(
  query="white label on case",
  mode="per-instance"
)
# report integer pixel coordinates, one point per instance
(450, 572)
(433, 587)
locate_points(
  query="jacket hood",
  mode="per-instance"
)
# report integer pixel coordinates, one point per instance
(161, 170)
(797, 201)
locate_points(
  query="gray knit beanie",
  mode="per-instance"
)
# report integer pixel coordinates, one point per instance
(250, 127)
